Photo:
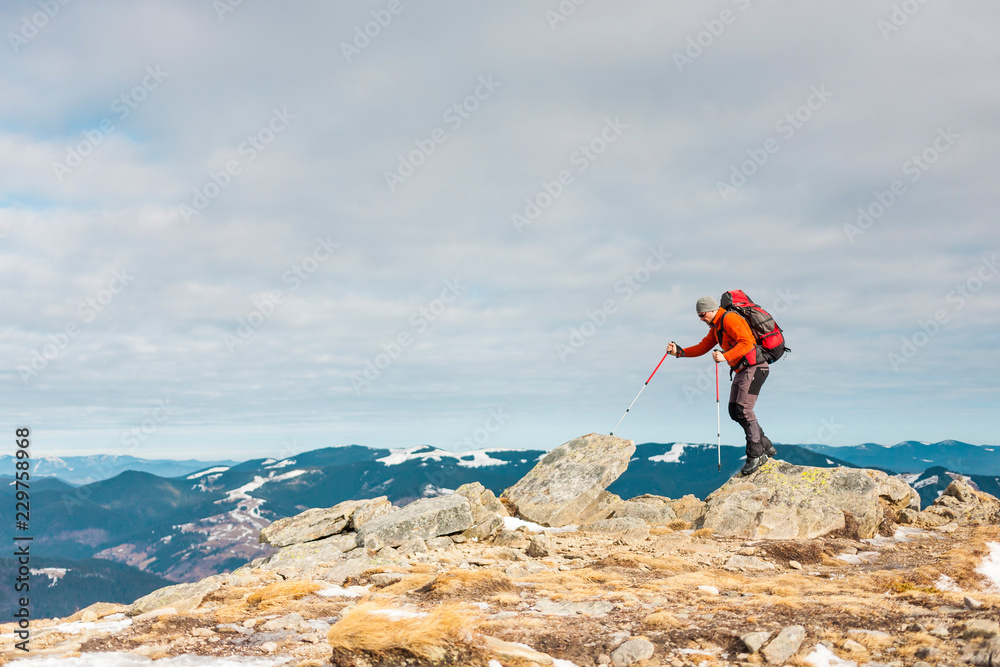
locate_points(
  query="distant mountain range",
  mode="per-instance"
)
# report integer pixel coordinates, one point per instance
(206, 521)
(914, 457)
(88, 469)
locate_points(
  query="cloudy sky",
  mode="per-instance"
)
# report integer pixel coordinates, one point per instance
(235, 229)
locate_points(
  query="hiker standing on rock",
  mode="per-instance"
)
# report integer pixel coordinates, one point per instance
(732, 333)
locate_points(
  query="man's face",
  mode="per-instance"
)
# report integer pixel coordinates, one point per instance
(707, 317)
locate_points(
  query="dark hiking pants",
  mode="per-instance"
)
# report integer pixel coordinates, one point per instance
(742, 398)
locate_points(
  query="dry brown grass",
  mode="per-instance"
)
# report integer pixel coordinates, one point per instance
(702, 532)
(662, 620)
(469, 583)
(915, 641)
(410, 583)
(679, 524)
(282, 592)
(872, 642)
(506, 599)
(367, 628)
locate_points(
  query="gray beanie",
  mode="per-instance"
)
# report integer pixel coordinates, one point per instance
(706, 304)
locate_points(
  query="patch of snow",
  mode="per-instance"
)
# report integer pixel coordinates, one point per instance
(821, 656)
(990, 567)
(909, 477)
(946, 583)
(268, 462)
(830, 462)
(927, 460)
(207, 472)
(282, 464)
(673, 456)
(431, 491)
(902, 534)
(132, 660)
(337, 591)
(480, 457)
(243, 492)
(77, 627)
(926, 482)
(860, 557)
(53, 573)
(513, 523)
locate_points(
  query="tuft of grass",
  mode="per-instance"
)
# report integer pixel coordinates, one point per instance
(702, 532)
(410, 583)
(679, 524)
(662, 620)
(369, 628)
(469, 583)
(281, 592)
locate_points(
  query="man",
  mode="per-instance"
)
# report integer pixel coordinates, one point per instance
(731, 332)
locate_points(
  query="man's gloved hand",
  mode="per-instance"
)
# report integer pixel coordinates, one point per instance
(675, 349)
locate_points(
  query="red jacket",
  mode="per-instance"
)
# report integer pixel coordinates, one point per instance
(737, 340)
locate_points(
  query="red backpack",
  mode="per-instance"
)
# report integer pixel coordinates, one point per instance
(765, 330)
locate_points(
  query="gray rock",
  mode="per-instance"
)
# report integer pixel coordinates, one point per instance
(425, 518)
(521, 570)
(183, 597)
(632, 652)
(615, 525)
(962, 503)
(315, 524)
(339, 573)
(747, 563)
(784, 646)
(972, 603)
(306, 557)
(414, 545)
(511, 539)
(588, 608)
(755, 640)
(980, 628)
(293, 621)
(487, 511)
(568, 483)
(928, 652)
(603, 508)
(653, 510)
(786, 501)
(985, 655)
(386, 578)
(939, 631)
(853, 646)
(438, 543)
(540, 546)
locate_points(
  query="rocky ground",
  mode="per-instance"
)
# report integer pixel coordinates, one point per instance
(851, 573)
(683, 597)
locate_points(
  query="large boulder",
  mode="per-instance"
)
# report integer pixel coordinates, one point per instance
(424, 518)
(568, 485)
(308, 557)
(487, 511)
(315, 524)
(962, 503)
(786, 501)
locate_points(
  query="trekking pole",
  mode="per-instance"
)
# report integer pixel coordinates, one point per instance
(640, 392)
(718, 417)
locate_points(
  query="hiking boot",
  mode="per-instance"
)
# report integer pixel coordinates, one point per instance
(768, 446)
(753, 464)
